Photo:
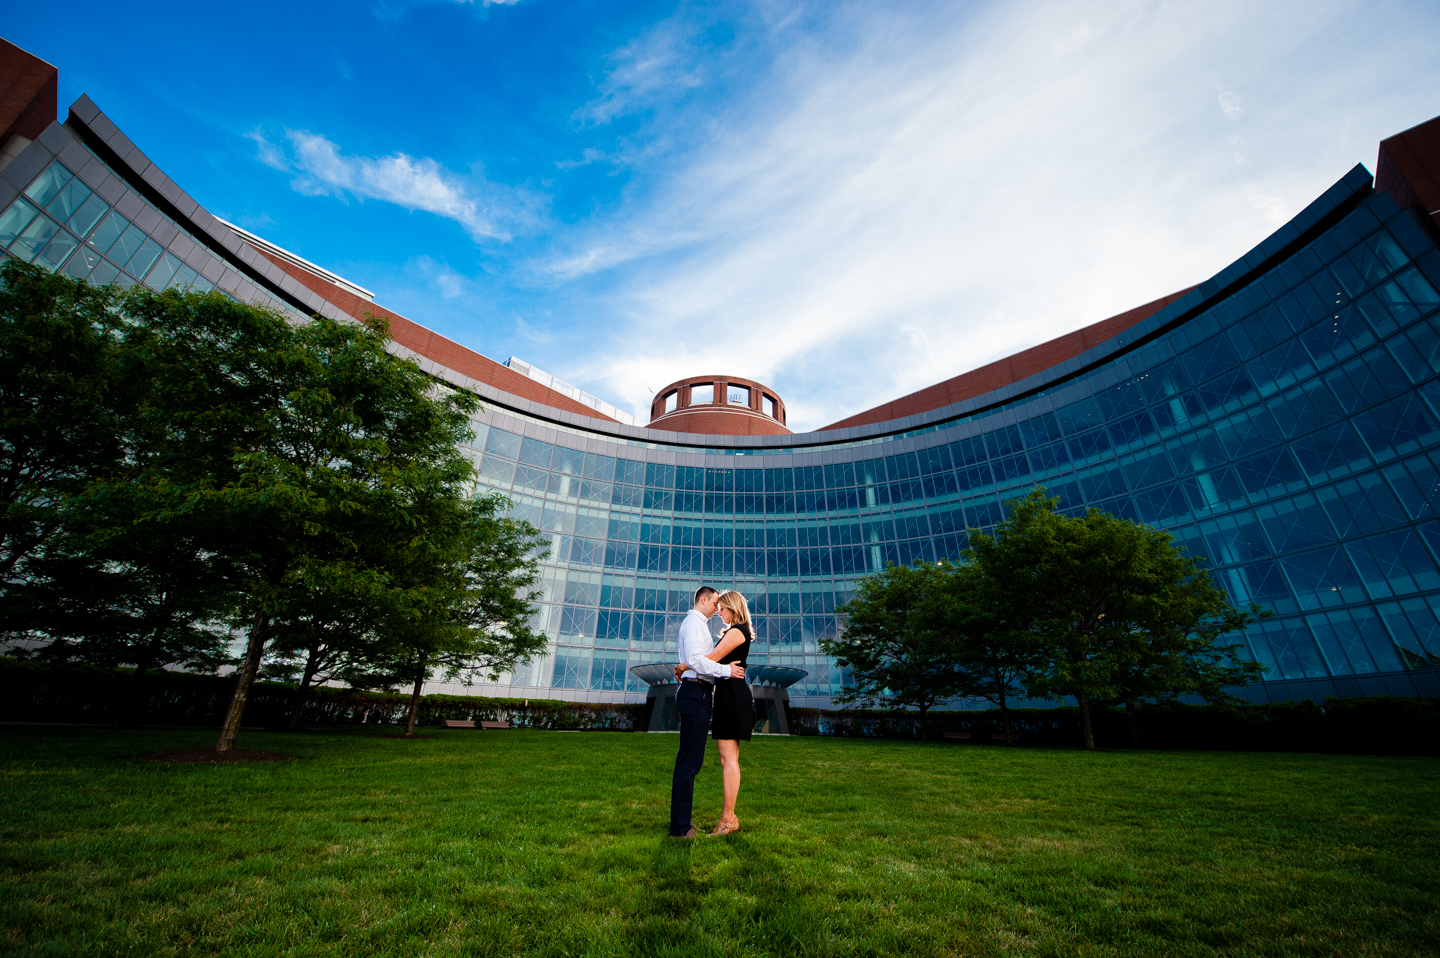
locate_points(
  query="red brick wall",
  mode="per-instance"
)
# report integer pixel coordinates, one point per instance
(713, 419)
(29, 93)
(1408, 168)
(719, 421)
(444, 351)
(1005, 371)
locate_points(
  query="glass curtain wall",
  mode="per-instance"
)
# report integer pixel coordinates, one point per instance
(1289, 431)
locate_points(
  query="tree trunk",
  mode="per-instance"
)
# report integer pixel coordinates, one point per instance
(312, 665)
(415, 700)
(1134, 729)
(1004, 709)
(924, 724)
(1085, 723)
(131, 696)
(259, 630)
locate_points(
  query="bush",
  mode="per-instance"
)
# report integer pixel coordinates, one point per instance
(1378, 726)
(38, 692)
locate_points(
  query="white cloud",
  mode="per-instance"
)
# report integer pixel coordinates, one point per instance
(487, 210)
(662, 63)
(1230, 104)
(267, 152)
(916, 190)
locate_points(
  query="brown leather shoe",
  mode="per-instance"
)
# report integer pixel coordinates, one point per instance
(725, 828)
(690, 834)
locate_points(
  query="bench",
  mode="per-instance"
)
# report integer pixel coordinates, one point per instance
(957, 736)
(493, 724)
(999, 739)
(459, 723)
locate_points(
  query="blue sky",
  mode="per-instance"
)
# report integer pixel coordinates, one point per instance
(848, 201)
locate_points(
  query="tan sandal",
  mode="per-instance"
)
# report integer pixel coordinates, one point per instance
(725, 828)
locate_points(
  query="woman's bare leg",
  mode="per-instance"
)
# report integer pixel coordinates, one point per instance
(729, 750)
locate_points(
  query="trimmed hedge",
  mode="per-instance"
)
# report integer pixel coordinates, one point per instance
(1380, 726)
(36, 692)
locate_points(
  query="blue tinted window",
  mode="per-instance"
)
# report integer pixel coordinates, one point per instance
(68, 200)
(89, 213)
(16, 217)
(55, 252)
(1003, 442)
(1393, 564)
(1330, 452)
(1377, 256)
(1321, 578)
(968, 452)
(164, 272)
(48, 184)
(1293, 524)
(842, 474)
(779, 480)
(1385, 432)
(34, 238)
(1416, 482)
(126, 245)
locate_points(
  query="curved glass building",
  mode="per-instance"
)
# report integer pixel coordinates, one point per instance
(1282, 419)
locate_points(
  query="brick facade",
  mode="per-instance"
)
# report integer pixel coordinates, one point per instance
(719, 421)
(718, 418)
(1408, 168)
(444, 351)
(1011, 369)
(29, 93)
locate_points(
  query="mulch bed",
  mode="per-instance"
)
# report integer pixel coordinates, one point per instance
(214, 757)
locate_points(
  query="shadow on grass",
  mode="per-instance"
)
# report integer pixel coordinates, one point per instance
(723, 896)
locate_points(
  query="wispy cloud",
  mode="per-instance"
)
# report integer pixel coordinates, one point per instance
(487, 211)
(397, 9)
(662, 63)
(904, 193)
(267, 153)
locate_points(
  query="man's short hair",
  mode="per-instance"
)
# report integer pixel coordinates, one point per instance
(702, 592)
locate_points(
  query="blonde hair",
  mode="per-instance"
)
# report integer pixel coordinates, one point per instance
(735, 602)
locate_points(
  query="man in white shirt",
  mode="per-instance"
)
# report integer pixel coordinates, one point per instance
(692, 701)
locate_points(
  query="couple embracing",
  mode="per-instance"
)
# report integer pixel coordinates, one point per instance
(712, 697)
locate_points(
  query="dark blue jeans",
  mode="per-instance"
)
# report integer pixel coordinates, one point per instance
(692, 702)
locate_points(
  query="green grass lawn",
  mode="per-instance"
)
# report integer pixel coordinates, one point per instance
(551, 843)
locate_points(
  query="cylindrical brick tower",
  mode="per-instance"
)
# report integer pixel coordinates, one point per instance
(719, 405)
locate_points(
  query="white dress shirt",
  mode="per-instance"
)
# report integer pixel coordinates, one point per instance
(696, 643)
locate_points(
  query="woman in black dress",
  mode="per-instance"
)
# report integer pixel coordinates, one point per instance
(733, 716)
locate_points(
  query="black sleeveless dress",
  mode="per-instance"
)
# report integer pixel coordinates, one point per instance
(733, 716)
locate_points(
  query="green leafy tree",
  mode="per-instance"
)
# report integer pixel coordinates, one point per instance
(64, 389)
(146, 602)
(1092, 590)
(326, 631)
(1180, 647)
(286, 446)
(994, 651)
(897, 651)
(74, 383)
(472, 576)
